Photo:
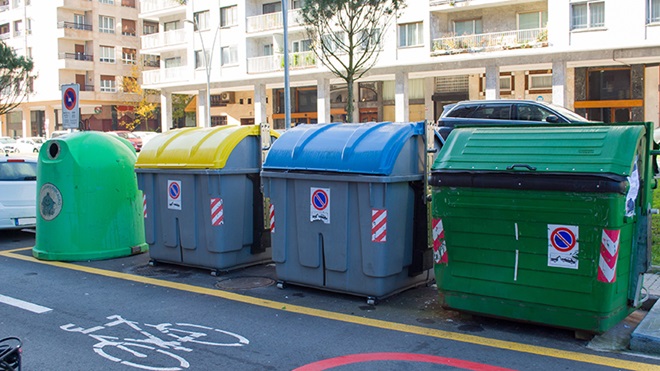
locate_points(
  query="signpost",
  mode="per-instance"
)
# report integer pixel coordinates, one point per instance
(70, 111)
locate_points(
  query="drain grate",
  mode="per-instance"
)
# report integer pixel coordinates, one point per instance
(244, 283)
(149, 271)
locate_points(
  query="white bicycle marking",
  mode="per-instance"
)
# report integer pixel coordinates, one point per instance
(138, 350)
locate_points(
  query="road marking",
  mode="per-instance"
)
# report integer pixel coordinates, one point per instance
(347, 318)
(34, 308)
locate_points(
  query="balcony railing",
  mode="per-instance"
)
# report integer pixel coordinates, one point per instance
(86, 87)
(148, 63)
(165, 75)
(77, 56)
(5, 36)
(271, 63)
(147, 6)
(74, 26)
(128, 3)
(272, 21)
(531, 38)
(163, 39)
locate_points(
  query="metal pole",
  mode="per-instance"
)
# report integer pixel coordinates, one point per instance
(287, 90)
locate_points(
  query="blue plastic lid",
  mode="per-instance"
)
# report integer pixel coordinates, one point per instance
(371, 148)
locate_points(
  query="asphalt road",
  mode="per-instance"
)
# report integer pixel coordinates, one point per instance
(123, 314)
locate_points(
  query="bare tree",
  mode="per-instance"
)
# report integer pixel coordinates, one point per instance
(347, 35)
(15, 78)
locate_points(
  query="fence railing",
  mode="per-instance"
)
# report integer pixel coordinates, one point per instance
(77, 56)
(275, 62)
(272, 21)
(156, 5)
(162, 39)
(491, 41)
(75, 26)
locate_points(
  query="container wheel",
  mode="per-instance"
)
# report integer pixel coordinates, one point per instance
(371, 300)
(152, 263)
(281, 285)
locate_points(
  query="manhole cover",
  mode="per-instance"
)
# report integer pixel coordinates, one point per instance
(243, 283)
(149, 271)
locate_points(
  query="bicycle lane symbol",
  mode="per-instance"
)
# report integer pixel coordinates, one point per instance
(153, 352)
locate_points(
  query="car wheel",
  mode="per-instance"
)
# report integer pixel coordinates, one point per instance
(35, 150)
(17, 150)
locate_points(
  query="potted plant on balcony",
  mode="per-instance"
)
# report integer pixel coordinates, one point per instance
(542, 39)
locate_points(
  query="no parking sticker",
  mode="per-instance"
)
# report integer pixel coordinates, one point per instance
(319, 208)
(563, 246)
(174, 194)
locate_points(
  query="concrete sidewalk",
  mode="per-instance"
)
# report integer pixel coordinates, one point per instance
(646, 337)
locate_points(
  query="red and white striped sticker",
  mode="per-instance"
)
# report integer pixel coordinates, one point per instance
(378, 225)
(144, 205)
(439, 244)
(272, 218)
(609, 254)
(217, 212)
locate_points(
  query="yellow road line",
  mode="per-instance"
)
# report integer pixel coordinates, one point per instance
(441, 334)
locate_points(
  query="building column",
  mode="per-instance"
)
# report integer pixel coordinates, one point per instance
(323, 100)
(26, 124)
(492, 82)
(401, 105)
(559, 83)
(165, 111)
(260, 105)
(201, 109)
(50, 121)
(429, 89)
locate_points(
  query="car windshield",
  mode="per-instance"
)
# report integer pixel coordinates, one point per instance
(7, 140)
(127, 135)
(18, 170)
(570, 115)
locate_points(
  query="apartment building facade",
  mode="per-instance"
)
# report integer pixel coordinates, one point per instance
(94, 43)
(598, 57)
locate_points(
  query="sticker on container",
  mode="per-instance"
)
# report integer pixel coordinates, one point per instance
(272, 218)
(609, 254)
(144, 205)
(439, 244)
(319, 208)
(50, 201)
(633, 191)
(378, 225)
(174, 194)
(563, 246)
(217, 212)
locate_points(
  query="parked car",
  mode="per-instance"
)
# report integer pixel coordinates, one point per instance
(25, 142)
(518, 111)
(37, 141)
(145, 135)
(135, 141)
(11, 145)
(18, 192)
(59, 133)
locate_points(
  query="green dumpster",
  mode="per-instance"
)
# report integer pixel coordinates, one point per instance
(543, 224)
(88, 203)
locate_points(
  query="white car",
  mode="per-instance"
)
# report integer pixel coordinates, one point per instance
(18, 192)
(11, 145)
(29, 143)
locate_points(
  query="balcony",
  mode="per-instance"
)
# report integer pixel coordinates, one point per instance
(77, 56)
(76, 61)
(164, 41)
(273, 63)
(451, 5)
(79, 5)
(272, 21)
(154, 9)
(487, 42)
(165, 75)
(128, 3)
(74, 26)
(5, 36)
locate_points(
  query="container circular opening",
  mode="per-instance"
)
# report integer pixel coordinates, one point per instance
(53, 150)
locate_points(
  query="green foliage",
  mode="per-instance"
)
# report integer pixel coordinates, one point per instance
(15, 78)
(179, 103)
(142, 100)
(347, 35)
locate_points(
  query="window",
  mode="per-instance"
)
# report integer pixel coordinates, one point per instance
(468, 27)
(536, 82)
(111, 2)
(173, 62)
(107, 54)
(200, 60)
(268, 49)
(229, 55)
(507, 83)
(530, 21)
(411, 34)
(108, 84)
(272, 7)
(589, 14)
(18, 28)
(296, 4)
(129, 56)
(368, 92)
(333, 42)
(79, 21)
(170, 26)
(228, 16)
(201, 20)
(28, 26)
(128, 27)
(369, 38)
(106, 24)
(654, 11)
(149, 27)
(302, 46)
(609, 84)
(218, 120)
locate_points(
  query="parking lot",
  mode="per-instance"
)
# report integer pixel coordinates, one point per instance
(124, 314)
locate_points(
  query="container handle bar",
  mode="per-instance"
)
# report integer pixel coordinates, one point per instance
(528, 167)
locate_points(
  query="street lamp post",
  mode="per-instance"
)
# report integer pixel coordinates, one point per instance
(208, 58)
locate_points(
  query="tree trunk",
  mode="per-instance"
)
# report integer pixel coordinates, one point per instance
(350, 107)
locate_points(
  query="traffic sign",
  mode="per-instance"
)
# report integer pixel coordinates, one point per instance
(70, 106)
